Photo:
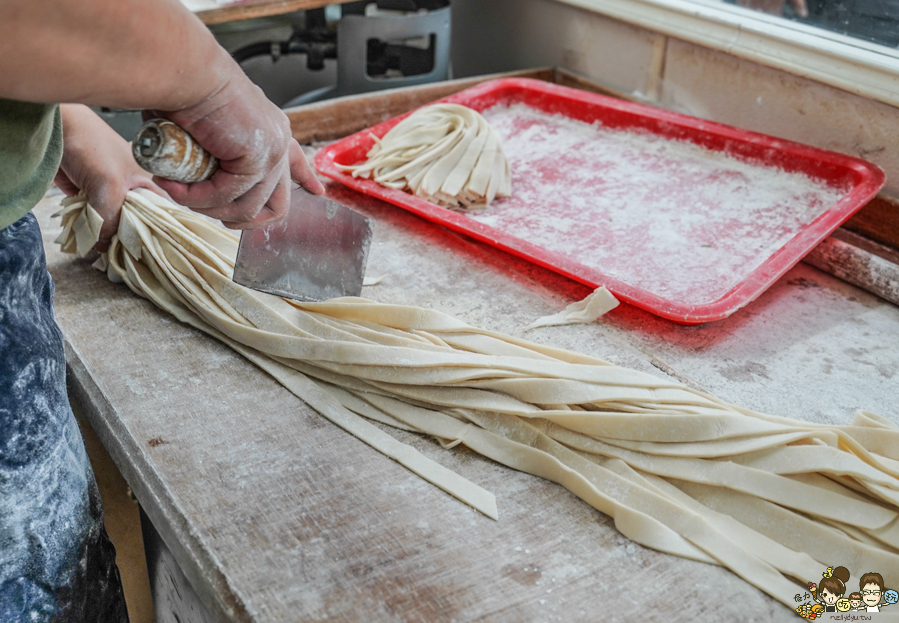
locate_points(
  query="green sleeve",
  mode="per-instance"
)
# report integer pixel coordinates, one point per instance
(30, 151)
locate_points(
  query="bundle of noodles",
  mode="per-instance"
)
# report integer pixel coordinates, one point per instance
(680, 471)
(444, 153)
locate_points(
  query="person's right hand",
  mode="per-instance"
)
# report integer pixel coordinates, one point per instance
(166, 60)
(258, 156)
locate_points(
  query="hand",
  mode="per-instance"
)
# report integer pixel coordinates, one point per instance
(98, 161)
(258, 157)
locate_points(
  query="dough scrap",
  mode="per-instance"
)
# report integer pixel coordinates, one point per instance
(373, 281)
(680, 471)
(597, 303)
(444, 153)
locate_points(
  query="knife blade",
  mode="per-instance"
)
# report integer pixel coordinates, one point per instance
(317, 252)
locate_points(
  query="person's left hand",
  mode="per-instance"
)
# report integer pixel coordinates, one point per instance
(98, 161)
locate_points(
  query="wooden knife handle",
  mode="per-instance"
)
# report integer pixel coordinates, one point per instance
(163, 148)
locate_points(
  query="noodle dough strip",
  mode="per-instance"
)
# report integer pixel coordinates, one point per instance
(680, 471)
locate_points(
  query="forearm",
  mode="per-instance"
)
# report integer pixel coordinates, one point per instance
(125, 53)
(151, 54)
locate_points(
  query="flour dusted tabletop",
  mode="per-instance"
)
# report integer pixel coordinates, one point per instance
(275, 515)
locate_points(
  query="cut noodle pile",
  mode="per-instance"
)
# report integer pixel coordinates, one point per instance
(444, 153)
(678, 470)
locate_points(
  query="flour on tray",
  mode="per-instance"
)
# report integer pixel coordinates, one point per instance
(678, 220)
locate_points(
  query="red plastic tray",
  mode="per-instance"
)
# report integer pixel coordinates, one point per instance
(688, 219)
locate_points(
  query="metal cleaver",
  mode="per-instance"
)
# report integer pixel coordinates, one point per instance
(317, 252)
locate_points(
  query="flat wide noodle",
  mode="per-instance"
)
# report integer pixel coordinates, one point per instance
(678, 470)
(445, 153)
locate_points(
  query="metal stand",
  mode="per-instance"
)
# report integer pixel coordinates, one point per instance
(359, 36)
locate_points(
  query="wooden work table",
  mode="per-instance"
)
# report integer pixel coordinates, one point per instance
(250, 9)
(276, 515)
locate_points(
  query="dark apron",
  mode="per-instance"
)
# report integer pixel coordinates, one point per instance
(56, 561)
